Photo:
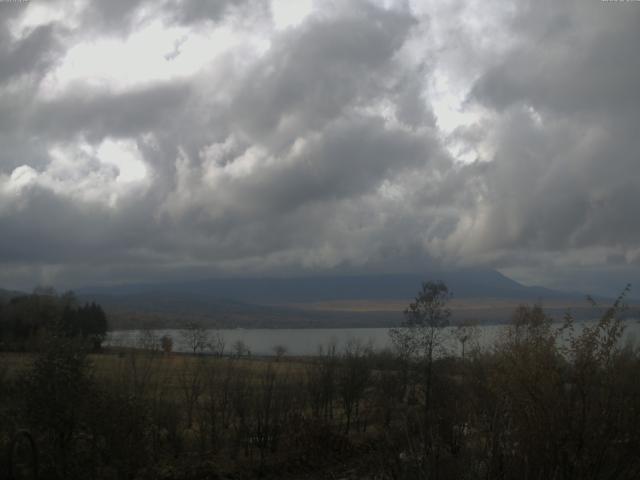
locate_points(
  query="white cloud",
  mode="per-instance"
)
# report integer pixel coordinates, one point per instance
(86, 173)
(290, 13)
(21, 177)
(157, 52)
(35, 14)
(125, 155)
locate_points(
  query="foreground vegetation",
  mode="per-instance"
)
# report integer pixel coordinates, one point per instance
(530, 407)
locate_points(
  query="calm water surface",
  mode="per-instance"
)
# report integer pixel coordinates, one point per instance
(261, 341)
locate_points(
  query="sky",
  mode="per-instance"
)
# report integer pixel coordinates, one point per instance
(151, 140)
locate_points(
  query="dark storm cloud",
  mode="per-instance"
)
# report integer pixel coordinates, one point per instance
(298, 110)
(98, 112)
(24, 60)
(321, 151)
(315, 173)
(364, 146)
(299, 106)
(569, 175)
(575, 58)
(25, 57)
(31, 55)
(50, 229)
(314, 73)
(563, 182)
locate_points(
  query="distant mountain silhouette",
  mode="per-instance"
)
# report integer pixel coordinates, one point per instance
(482, 295)
(464, 284)
(292, 302)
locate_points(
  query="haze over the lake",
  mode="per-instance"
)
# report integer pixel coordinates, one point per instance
(159, 140)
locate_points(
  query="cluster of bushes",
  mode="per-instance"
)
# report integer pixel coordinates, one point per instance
(548, 400)
(25, 320)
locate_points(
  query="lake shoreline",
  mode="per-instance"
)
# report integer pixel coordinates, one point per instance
(308, 341)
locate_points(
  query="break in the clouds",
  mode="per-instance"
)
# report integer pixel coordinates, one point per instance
(163, 139)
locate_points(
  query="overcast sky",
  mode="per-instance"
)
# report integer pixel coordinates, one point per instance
(167, 139)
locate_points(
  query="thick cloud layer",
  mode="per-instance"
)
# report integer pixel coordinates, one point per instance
(182, 138)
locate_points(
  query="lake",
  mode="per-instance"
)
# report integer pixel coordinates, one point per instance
(304, 342)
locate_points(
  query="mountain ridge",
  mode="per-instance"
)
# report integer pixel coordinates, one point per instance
(468, 283)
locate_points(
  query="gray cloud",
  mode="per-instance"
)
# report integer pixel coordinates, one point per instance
(323, 152)
(97, 112)
(121, 18)
(575, 58)
(314, 73)
(563, 182)
(32, 54)
(195, 11)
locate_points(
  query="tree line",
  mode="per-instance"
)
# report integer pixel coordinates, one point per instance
(26, 319)
(549, 399)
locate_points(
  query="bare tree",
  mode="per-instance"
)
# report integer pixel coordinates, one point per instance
(321, 382)
(353, 379)
(466, 332)
(147, 340)
(240, 348)
(139, 370)
(271, 402)
(280, 351)
(217, 344)
(195, 336)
